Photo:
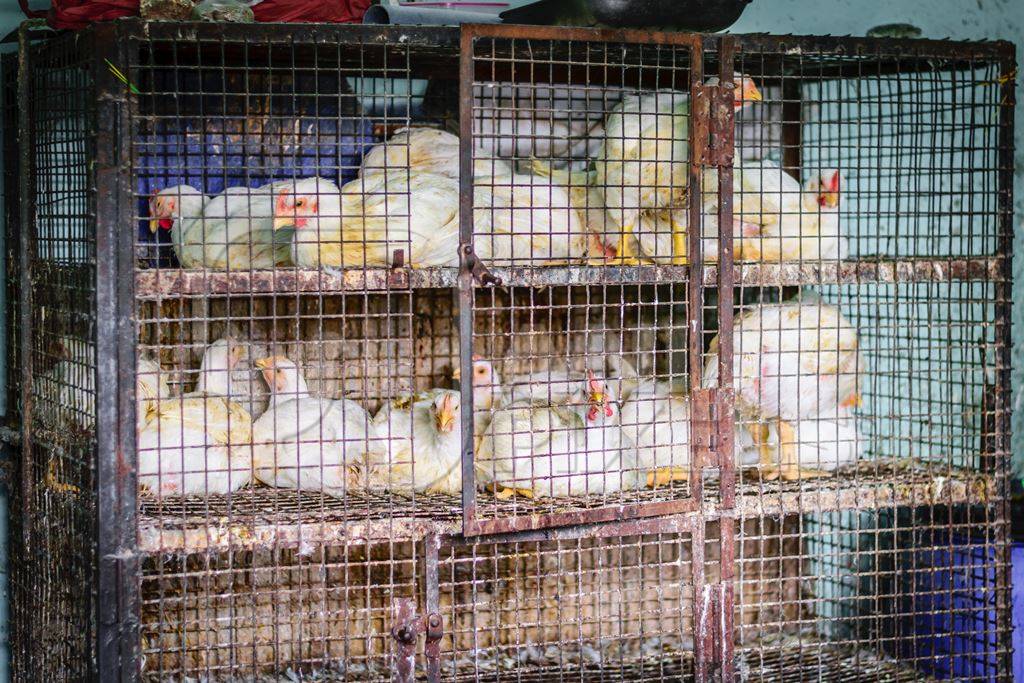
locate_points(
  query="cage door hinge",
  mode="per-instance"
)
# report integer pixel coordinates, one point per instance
(406, 631)
(718, 151)
(712, 427)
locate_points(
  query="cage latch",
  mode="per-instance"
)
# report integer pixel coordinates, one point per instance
(406, 631)
(477, 268)
(398, 277)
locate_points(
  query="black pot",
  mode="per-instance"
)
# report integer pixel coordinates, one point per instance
(690, 15)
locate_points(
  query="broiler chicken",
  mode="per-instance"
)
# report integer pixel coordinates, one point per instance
(525, 219)
(657, 421)
(643, 165)
(823, 442)
(199, 443)
(175, 209)
(304, 442)
(792, 361)
(426, 149)
(778, 220)
(418, 445)
(233, 230)
(366, 221)
(539, 449)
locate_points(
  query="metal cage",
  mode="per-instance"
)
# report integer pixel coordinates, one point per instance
(367, 353)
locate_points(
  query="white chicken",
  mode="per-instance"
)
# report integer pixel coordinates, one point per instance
(199, 443)
(521, 219)
(537, 449)
(363, 223)
(824, 443)
(173, 209)
(657, 421)
(234, 230)
(643, 165)
(304, 442)
(792, 361)
(426, 149)
(418, 444)
(778, 220)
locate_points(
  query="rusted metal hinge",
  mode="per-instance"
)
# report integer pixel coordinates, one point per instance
(398, 276)
(477, 267)
(406, 631)
(713, 425)
(721, 126)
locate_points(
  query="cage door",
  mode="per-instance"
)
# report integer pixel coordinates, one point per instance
(581, 152)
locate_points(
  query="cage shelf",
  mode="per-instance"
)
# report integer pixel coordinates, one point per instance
(163, 283)
(265, 517)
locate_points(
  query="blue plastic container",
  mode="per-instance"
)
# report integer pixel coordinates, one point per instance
(950, 631)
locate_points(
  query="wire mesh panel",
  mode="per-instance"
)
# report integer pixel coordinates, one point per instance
(54, 599)
(581, 150)
(616, 608)
(877, 388)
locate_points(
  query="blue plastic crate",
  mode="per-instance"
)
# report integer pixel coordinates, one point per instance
(950, 631)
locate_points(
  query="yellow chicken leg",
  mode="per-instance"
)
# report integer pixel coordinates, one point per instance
(625, 254)
(502, 492)
(53, 482)
(679, 253)
(663, 476)
(789, 459)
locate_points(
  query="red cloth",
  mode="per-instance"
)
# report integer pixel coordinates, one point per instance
(312, 11)
(75, 14)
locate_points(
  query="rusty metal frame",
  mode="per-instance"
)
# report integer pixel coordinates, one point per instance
(472, 276)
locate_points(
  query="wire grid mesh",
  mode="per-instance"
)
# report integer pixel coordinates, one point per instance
(55, 365)
(870, 434)
(620, 608)
(573, 377)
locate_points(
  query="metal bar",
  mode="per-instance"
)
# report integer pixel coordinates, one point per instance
(403, 633)
(116, 485)
(600, 35)
(466, 285)
(1004, 313)
(698, 129)
(725, 405)
(434, 625)
(703, 633)
(26, 140)
(725, 123)
(663, 524)
(610, 513)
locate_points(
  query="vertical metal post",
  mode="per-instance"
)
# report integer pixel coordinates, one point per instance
(724, 126)
(26, 244)
(1003, 313)
(434, 625)
(116, 484)
(466, 260)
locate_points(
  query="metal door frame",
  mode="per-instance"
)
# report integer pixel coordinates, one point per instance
(707, 144)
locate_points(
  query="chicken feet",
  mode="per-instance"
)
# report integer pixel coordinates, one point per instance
(663, 476)
(789, 468)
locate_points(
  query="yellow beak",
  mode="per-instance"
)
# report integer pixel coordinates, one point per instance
(445, 419)
(457, 374)
(264, 363)
(154, 225)
(283, 222)
(831, 199)
(752, 94)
